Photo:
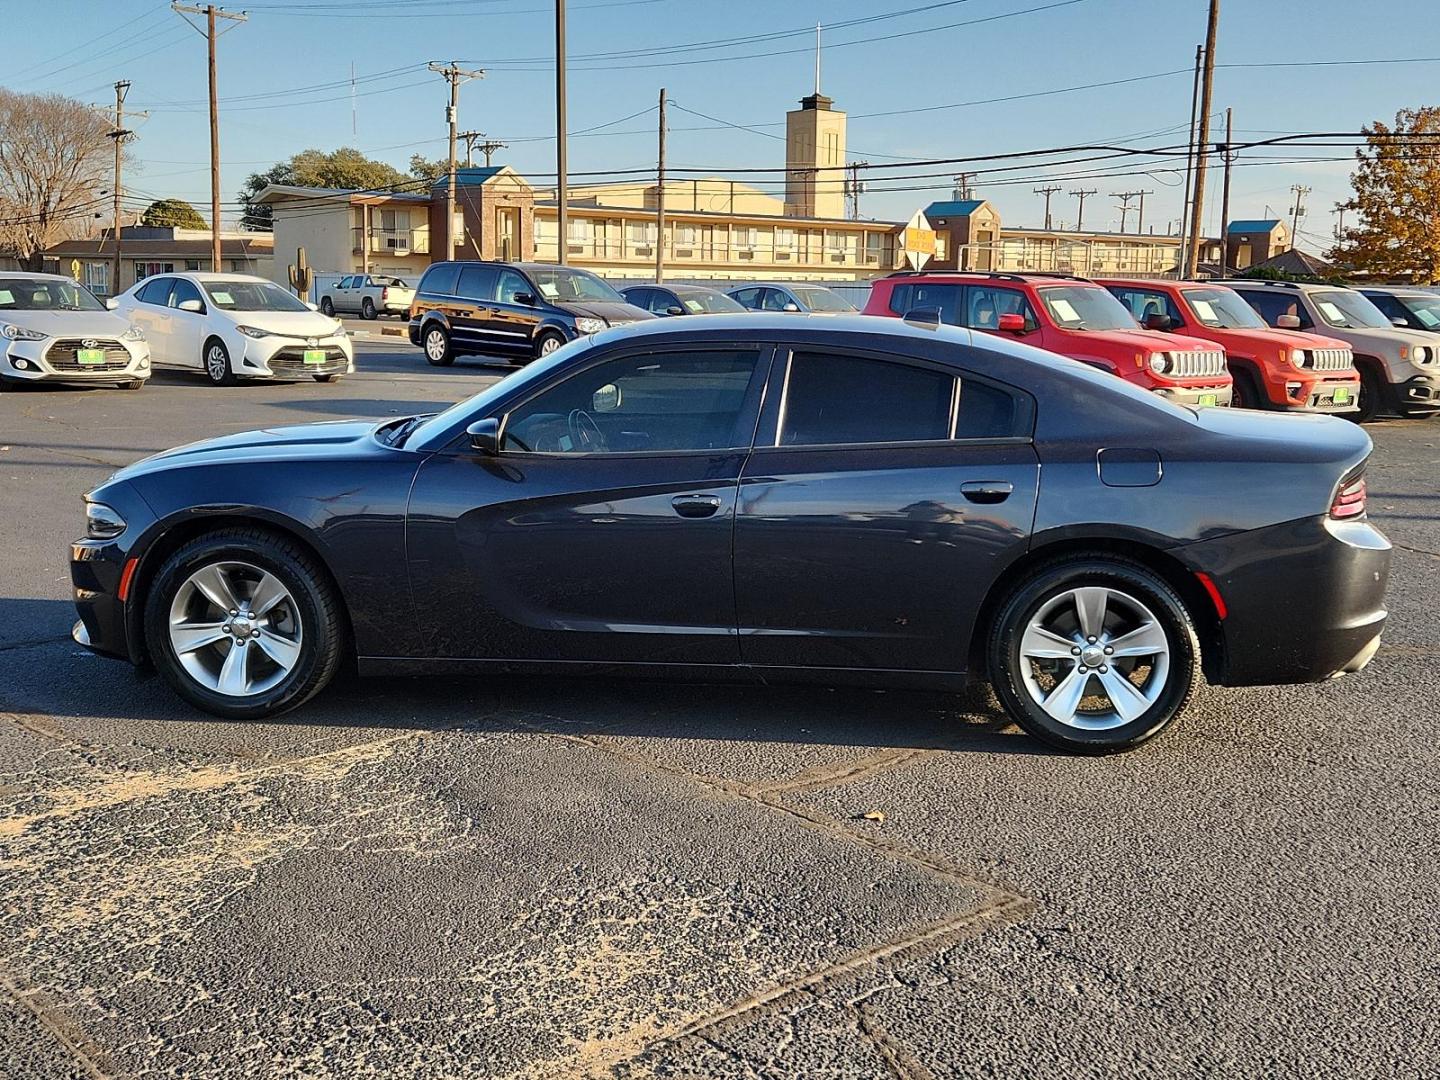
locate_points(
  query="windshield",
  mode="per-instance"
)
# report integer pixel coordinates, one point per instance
(1222, 309)
(557, 283)
(1082, 307)
(251, 296)
(708, 303)
(45, 294)
(1426, 310)
(820, 299)
(1348, 309)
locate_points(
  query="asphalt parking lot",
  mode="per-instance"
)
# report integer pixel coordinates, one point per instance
(541, 878)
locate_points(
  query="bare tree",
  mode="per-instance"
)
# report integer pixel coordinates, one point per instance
(55, 156)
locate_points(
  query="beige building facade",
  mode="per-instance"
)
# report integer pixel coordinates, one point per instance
(815, 159)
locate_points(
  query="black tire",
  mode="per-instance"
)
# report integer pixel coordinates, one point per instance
(367, 308)
(323, 641)
(133, 384)
(326, 307)
(327, 378)
(1247, 394)
(1372, 395)
(1051, 580)
(546, 342)
(215, 359)
(435, 342)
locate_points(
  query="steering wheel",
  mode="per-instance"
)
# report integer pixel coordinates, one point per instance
(585, 434)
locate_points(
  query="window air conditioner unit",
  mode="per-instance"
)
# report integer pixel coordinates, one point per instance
(575, 249)
(647, 250)
(837, 256)
(745, 253)
(684, 253)
(782, 255)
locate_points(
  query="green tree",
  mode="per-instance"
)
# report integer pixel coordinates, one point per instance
(1397, 199)
(343, 168)
(177, 212)
(422, 168)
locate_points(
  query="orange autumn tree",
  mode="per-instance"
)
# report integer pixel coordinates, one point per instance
(1397, 198)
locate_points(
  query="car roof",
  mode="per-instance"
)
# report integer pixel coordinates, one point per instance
(784, 324)
(1281, 286)
(26, 275)
(1397, 290)
(203, 276)
(778, 285)
(970, 276)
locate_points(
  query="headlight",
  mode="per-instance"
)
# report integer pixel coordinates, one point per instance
(20, 333)
(590, 326)
(1297, 357)
(1422, 354)
(102, 522)
(134, 333)
(1160, 363)
(253, 331)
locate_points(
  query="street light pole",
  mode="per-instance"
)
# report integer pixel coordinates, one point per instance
(660, 199)
(562, 185)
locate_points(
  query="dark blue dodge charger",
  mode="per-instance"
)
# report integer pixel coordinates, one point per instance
(759, 497)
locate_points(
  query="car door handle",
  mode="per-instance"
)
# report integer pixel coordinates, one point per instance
(695, 506)
(987, 491)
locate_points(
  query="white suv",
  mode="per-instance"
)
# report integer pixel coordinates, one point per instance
(54, 330)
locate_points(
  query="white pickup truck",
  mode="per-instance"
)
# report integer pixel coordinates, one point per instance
(368, 295)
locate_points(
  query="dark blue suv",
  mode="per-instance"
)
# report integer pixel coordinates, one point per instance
(523, 310)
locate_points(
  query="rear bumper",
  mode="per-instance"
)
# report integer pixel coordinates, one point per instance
(1305, 600)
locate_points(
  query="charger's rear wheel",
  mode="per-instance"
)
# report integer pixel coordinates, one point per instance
(1093, 654)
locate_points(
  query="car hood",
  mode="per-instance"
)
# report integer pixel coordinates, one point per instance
(613, 313)
(1394, 337)
(1289, 339)
(291, 323)
(81, 324)
(327, 439)
(1292, 436)
(1154, 340)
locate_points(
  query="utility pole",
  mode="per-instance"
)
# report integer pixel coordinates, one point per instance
(1207, 88)
(1124, 207)
(562, 181)
(1047, 192)
(1229, 159)
(962, 185)
(211, 13)
(1190, 163)
(454, 75)
(660, 198)
(857, 187)
(1340, 209)
(1080, 214)
(1300, 191)
(119, 134)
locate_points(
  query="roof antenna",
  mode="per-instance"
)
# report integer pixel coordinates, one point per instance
(817, 59)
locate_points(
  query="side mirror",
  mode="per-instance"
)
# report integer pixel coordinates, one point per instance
(1157, 321)
(1287, 322)
(112, 303)
(1011, 322)
(194, 306)
(528, 299)
(674, 309)
(792, 306)
(312, 307)
(606, 399)
(1399, 321)
(485, 436)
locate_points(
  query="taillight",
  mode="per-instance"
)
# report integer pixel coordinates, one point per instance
(1350, 499)
(385, 294)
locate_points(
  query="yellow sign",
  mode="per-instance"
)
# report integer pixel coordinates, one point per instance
(920, 241)
(75, 269)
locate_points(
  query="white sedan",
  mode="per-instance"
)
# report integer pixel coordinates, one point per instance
(54, 330)
(233, 327)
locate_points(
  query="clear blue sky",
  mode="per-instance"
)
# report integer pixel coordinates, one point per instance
(1039, 45)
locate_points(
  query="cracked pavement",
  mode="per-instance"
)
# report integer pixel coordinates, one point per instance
(552, 878)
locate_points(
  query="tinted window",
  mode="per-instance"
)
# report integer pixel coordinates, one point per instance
(927, 296)
(440, 279)
(846, 399)
(1146, 302)
(987, 412)
(985, 305)
(774, 300)
(155, 291)
(511, 285)
(344, 283)
(477, 282)
(647, 402)
(661, 302)
(184, 290)
(638, 297)
(749, 298)
(1270, 306)
(1389, 306)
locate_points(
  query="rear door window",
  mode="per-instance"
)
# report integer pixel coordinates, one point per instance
(477, 282)
(1270, 306)
(985, 304)
(749, 298)
(511, 285)
(155, 291)
(774, 300)
(850, 400)
(440, 280)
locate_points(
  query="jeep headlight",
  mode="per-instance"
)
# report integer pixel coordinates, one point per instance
(253, 331)
(1297, 357)
(1160, 363)
(102, 522)
(20, 333)
(133, 333)
(1422, 354)
(590, 326)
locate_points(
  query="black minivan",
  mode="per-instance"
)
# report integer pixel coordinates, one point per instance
(525, 310)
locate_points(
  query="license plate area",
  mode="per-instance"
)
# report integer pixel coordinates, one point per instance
(314, 356)
(1208, 399)
(90, 357)
(1341, 395)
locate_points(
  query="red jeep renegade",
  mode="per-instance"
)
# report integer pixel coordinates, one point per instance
(1273, 369)
(1067, 315)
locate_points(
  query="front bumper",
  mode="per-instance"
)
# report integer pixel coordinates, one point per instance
(1218, 394)
(277, 357)
(1320, 395)
(96, 569)
(1419, 392)
(1305, 599)
(52, 360)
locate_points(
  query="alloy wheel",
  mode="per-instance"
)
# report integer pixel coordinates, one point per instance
(217, 364)
(1094, 658)
(435, 345)
(548, 345)
(235, 629)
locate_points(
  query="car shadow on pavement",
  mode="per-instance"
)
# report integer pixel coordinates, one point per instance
(49, 675)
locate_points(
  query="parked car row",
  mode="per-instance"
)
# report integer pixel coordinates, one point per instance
(230, 327)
